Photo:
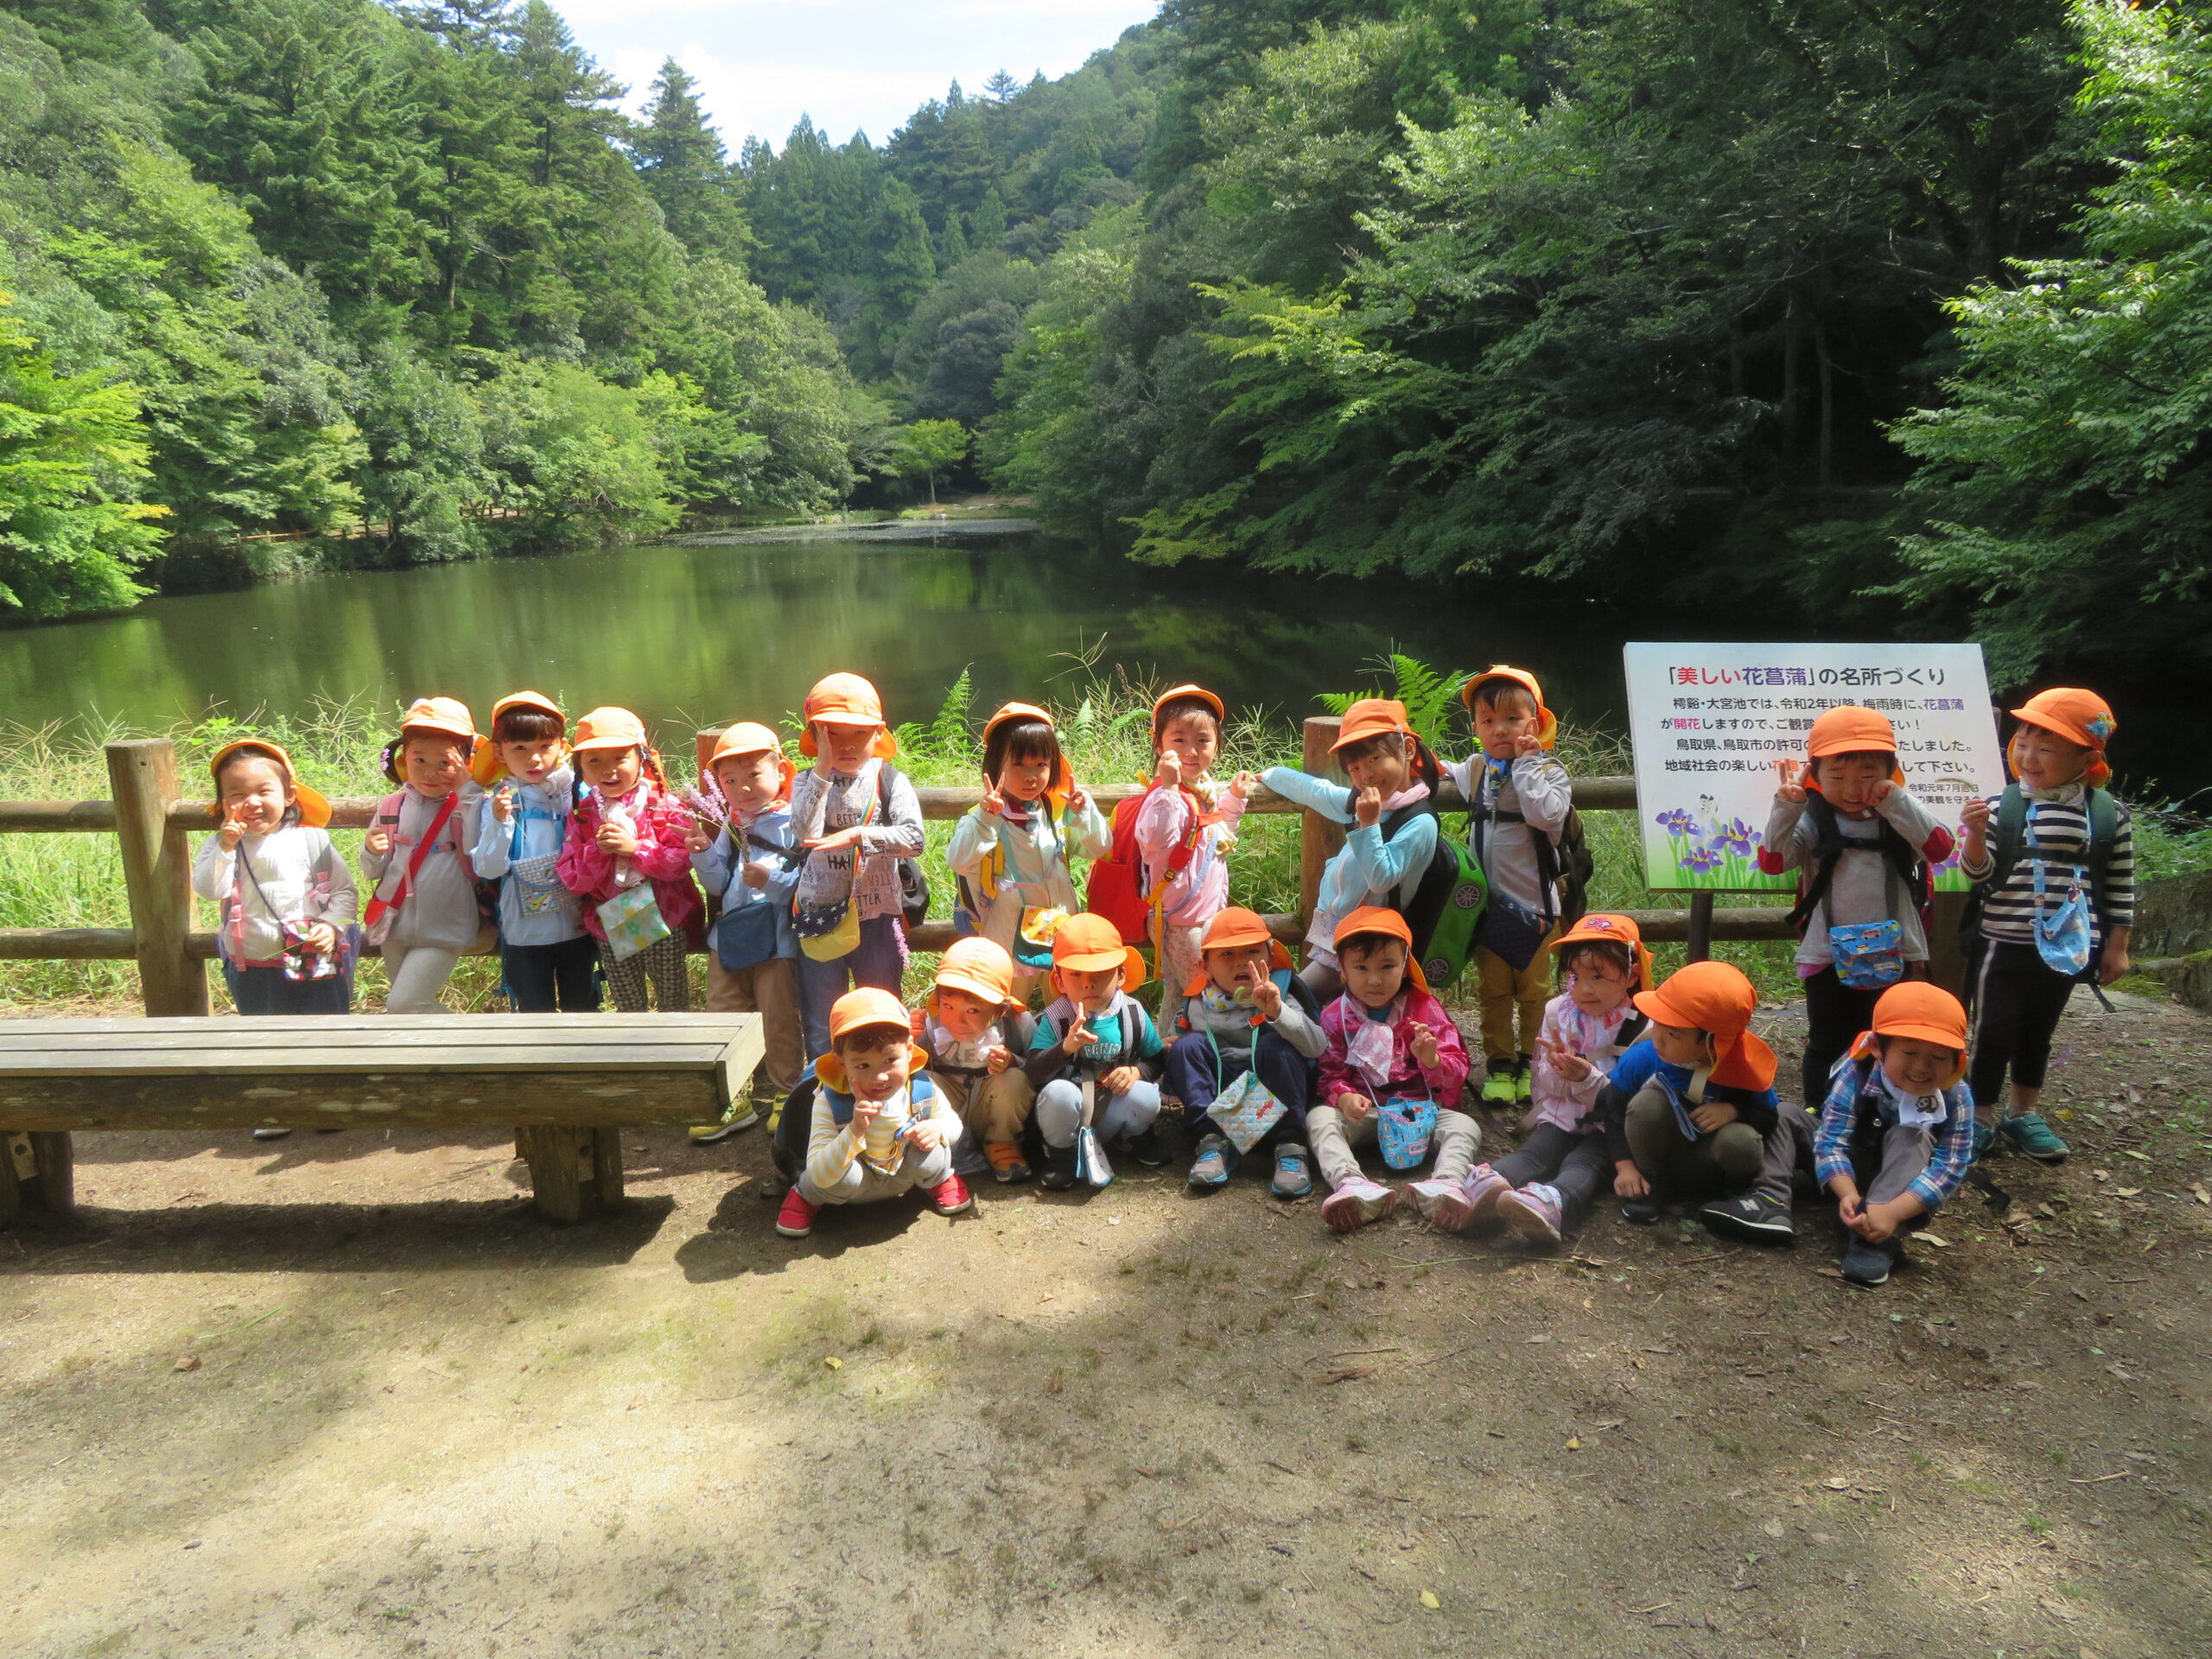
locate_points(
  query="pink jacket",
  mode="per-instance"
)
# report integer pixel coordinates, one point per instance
(1414, 1007)
(1567, 1105)
(1198, 895)
(661, 857)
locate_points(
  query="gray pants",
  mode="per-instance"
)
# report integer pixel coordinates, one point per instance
(417, 973)
(861, 1185)
(1726, 1160)
(1788, 1150)
(1572, 1165)
(1332, 1138)
(1060, 1112)
(1884, 1168)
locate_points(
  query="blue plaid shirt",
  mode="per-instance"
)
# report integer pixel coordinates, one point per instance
(1855, 1097)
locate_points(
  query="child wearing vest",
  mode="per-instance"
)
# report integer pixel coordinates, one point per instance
(1185, 826)
(1095, 1039)
(628, 831)
(1517, 798)
(2056, 823)
(1687, 1108)
(1243, 1011)
(857, 817)
(752, 954)
(285, 899)
(879, 1128)
(548, 961)
(1540, 1192)
(1392, 807)
(1011, 853)
(1389, 1040)
(975, 1034)
(422, 902)
(1897, 1134)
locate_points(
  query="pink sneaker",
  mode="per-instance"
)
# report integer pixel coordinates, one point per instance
(1533, 1212)
(1443, 1204)
(949, 1196)
(796, 1218)
(1481, 1191)
(1356, 1202)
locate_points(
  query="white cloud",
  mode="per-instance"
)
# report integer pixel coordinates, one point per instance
(767, 99)
(634, 11)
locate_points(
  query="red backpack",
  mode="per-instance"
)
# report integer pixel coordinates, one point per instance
(1116, 889)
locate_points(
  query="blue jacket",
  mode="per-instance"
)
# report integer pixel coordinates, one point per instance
(1642, 1064)
(543, 915)
(718, 867)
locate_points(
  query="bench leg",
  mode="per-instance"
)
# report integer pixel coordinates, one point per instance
(37, 1169)
(573, 1172)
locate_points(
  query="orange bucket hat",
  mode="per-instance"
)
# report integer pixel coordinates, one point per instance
(617, 728)
(980, 967)
(1063, 779)
(1715, 998)
(845, 700)
(1849, 729)
(1604, 927)
(746, 737)
(1371, 717)
(1917, 1009)
(1229, 928)
(859, 1010)
(1546, 722)
(487, 768)
(1176, 694)
(315, 805)
(1376, 919)
(2079, 716)
(448, 717)
(1090, 943)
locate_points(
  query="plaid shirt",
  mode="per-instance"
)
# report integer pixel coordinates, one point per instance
(1855, 1097)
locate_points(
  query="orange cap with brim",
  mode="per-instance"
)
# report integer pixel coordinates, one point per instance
(1062, 783)
(487, 767)
(1230, 928)
(1605, 927)
(2079, 716)
(746, 737)
(1848, 728)
(314, 806)
(617, 728)
(1089, 943)
(1378, 920)
(845, 700)
(1715, 998)
(1546, 722)
(447, 715)
(1916, 1009)
(1176, 694)
(980, 967)
(1371, 717)
(859, 1010)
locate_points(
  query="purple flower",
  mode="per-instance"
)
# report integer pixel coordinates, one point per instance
(1735, 836)
(1676, 822)
(1701, 860)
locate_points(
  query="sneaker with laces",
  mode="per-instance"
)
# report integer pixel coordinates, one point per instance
(1752, 1216)
(1292, 1179)
(2029, 1133)
(1499, 1088)
(1534, 1213)
(1443, 1204)
(796, 1218)
(1006, 1161)
(1483, 1187)
(1215, 1162)
(1356, 1202)
(948, 1197)
(1149, 1147)
(742, 1115)
(1864, 1265)
(1641, 1212)
(1524, 1086)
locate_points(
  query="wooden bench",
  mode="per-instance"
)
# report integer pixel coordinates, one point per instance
(566, 1083)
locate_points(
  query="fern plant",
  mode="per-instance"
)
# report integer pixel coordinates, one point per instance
(946, 736)
(1431, 696)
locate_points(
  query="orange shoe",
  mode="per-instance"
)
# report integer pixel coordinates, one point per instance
(1005, 1159)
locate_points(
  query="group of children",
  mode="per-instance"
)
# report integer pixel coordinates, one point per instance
(589, 863)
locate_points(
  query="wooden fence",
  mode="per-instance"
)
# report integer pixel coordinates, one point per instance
(153, 818)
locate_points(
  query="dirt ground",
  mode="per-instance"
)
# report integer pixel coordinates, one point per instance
(345, 1395)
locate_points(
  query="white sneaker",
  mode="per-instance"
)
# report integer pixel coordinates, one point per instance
(1443, 1204)
(1356, 1202)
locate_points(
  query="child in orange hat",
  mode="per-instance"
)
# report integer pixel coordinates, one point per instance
(2056, 828)
(628, 829)
(1541, 1191)
(1897, 1134)
(1244, 1011)
(1095, 1033)
(1010, 854)
(878, 1129)
(741, 852)
(975, 1032)
(1518, 796)
(1391, 806)
(549, 962)
(857, 817)
(1686, 1110)
(1186, 824)
(422, 910)
(1391, 1047)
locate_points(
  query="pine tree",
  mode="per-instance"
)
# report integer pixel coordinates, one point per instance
(681, 158)
(987, 228)
(1001, 88)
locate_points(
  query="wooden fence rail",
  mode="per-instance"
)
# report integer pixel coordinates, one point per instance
(151, 817)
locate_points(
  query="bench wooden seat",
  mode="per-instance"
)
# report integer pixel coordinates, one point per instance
(566, 1083)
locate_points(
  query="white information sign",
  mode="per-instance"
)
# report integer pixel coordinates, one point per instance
(1709, 721)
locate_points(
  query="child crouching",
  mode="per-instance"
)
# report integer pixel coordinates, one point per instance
(1897, 1134)
(1095, 1040)
(878, 1128)
(975, 1033)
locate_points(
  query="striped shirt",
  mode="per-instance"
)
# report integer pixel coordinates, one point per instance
(1854, 1092)
(2058, 829)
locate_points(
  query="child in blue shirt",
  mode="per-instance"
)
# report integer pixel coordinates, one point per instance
(550, 963)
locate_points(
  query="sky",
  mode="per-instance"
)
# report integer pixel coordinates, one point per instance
(850, 64)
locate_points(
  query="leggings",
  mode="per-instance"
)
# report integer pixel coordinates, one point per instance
(417, 973)
(2016, 1003)
(1834, 1015)
(1572, 1164)
(662, 962)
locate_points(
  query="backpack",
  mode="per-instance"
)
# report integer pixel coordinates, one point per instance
(1448, 902)
(914, 886)
(1567, 860)
(2010, 832)
(1828, 845)
(487, 891)
(1115, 887)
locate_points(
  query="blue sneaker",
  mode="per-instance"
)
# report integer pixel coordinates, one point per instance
(1984, 1136)
(1215, 1162)
(2028, 1134)
(1293, 1179)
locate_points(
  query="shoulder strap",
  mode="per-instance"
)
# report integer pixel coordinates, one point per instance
(2102, 809)
(2012, 829)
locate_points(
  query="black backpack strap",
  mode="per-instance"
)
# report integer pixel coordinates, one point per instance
(1828, 853)
(2011, 830)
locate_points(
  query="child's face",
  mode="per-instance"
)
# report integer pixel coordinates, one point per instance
(1597, 985)
(1025, 776)
(876, 1064)
(1683, 1046)
(2043, 759)
(532, 760)
(255, 794)
(1383, 768)
(1503, 720)
(1236, 967)
(1090, 988)
(964, 1015)
(845, 748)
(750, 783)
(1848, 781)
(610, 772)
(435, 766)
(1918, 1067)
(1374, 974)
(1196, 740)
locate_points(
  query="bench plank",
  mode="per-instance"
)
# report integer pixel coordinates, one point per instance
(250, 1062)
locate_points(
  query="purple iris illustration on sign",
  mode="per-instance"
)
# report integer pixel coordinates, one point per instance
(1736, 836)
(1677, 823)
(1702, 861)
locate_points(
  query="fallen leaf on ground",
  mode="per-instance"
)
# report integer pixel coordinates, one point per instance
(188, 1363)
(1937, 1240)
(1573, 1444)
(2197, 1191)
(1349, 1374)
(1428, 1600)
(2127, 1191)
(833, 1363)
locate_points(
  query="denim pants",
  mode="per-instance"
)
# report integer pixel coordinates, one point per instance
(1193, 1079)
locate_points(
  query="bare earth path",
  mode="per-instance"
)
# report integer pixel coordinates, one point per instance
(414, 1420)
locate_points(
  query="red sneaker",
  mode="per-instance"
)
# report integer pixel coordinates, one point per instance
(949, 1196)
(796, 1218)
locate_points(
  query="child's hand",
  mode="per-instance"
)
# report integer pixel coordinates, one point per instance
(1243, 784)
(697, 837)
(1714, 1115)
(1424, 1047)
(503, 803)
(997, 1057)
(1168, 774)
(1790, 778)
(1880, 791)
(1079, 798)
(320, 939)
(1367, 807)
(378, 842)
(1266, 1000)
(837, 842)
(1629, 1182)
(1876, 1223)
(994, 801)
(230, 834)
(617, 838)
(2113, 962)
(755, 876)
(864, 1113)
(1527, 744)
(1974, 815)
(1354, 1107)
(928, 1134)
(1080, 1036)
(1571, 1066)
(1120, 1080)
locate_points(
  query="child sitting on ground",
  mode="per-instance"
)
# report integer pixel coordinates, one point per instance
(1390, 1043)
(1094, 1035)
(1186, 826)
(548, 961)
(1392, 807)
(751, 951)
(975, 1034)
(1540, 1192)
(1244, 1011)
(1687, 1108)
(1011, 853)
(1897, 1134)
(2025, 850)
(879, 1128)
(627, 831)
(285, 899)
(1517, 799)
(422, 908)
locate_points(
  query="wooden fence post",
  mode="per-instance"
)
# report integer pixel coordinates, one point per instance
(1700, 927)
(1318, 837)
(156, 873)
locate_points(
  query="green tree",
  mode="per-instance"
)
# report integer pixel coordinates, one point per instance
(681, 158)
(929, 447)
